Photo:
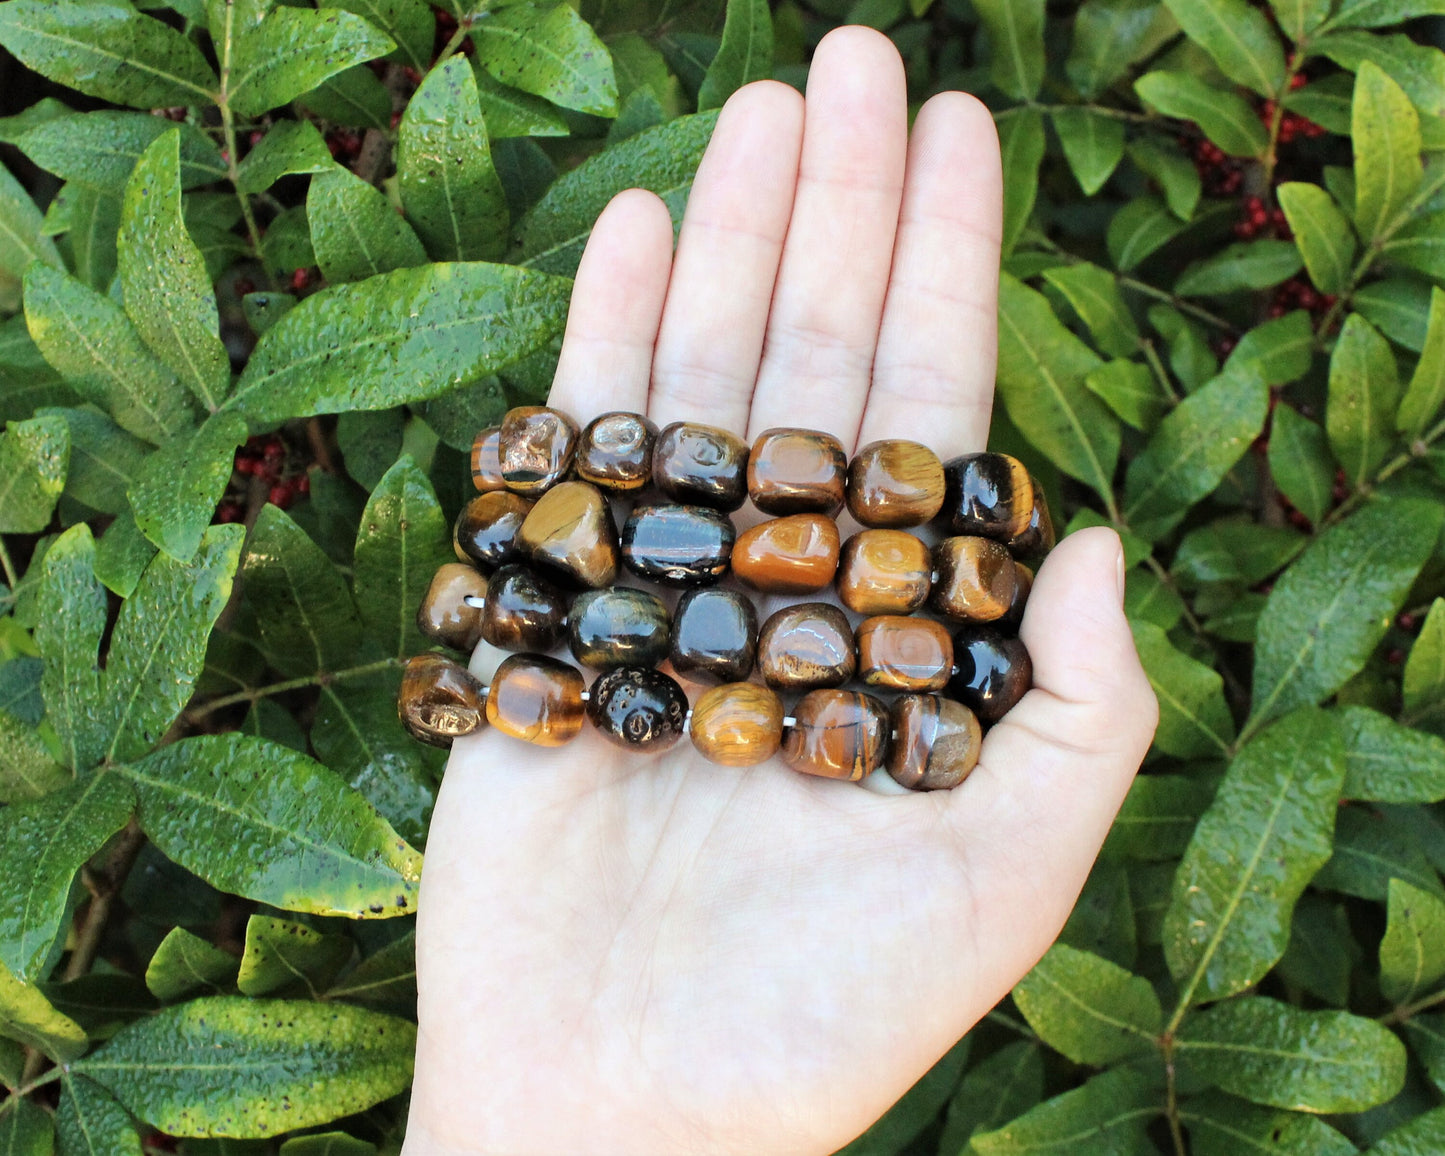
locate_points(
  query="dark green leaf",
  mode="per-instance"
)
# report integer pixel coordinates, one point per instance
(1193, 718)
(549, 51)
(184, 962)
(1140, 228)
(122, 554)
(1300, 462)
(353, 97)
(409, 23)
(1235, 550)
(101, 148)
(1221, 1125)
(72, 619)
(1385, 132)
(327, 1144)
(1130, 389)
(1225, 117)
(1284, 348)
(282, 957)
(1238, 37)
(1245, 265)
(1102, 921)
(1108, 35)
(385, 979)
(1093, 145)
(1299, 18)
(1425, 395)
(1021, 145)
(1381, 13)
(21, 239)
(1364, 395)
(1091, 1010)
(1322, 232)
(355, 231)
(263, 309)
(1157, 818)
(293, 146)
(1422, 1136)
(510, 112)
(1105, 1117)
(1417, 68)
(370, 442)
(1412, 953)
(103, 458)
(1420, 245)
(1150, 599)
(91, 1123)
(994, 1091)
(1371, 848)
(27, 770)
(915, 1110)
(1094, 294)
(1389, 763)
(1190, 355)
(175, 493)
(1175, 174)
(25, 1129)
(34, 459)
(745, 54)
(27, 1016)
(1016, 44)
(1322, 953)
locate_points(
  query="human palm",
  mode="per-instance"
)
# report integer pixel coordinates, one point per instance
(658, 955)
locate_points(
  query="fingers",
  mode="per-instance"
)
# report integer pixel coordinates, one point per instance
(937, 346)
(727, 260)
(616, 309)
(821, 333)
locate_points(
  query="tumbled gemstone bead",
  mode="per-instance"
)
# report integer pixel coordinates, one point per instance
(615, 452)
(797, 471)
(701, 465)
(440, 700)
(639, 709)
(898, 653)
(988, 495)
(935, 742)
(486, 529)
(619, 626)
(797, 554)
(837, 734)
(536, 699)
(487, 460)
(738, 724)
(444, 613)
(570, 531)
(805, 647)
(1038, 538)
(1012, 620)
(536, 447)
(523, 611)
(991, 671)
(895, 483)
(714, 635)
(884, 572)
(974, 579)
(677, 545)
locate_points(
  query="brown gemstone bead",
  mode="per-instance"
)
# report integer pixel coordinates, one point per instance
(797, 471)
(486, 529)
(677, 545)
(536, 699)
(991, 671)
(440, 700)
(898, 653)
(797, 554)
(805, 647)
(714, 635)
(487, 460)
(444, 613)
(975, 579)
(536, 447)
(523, 611)
(619, 626)
(1011, 621)
(1039, 537)
(895, 483)
(640, 710)
(570, 531)
(615, 452)
(738, 724)
(701, 465)
(935, 742)
(987, 495)
(837, 734)
(884, 572)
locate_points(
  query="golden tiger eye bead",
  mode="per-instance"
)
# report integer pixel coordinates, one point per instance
(615, 452)
(487, 460)
(898, 653)
(677, 545)
(536, 446)
(987, 495)
(737, 724)
(884, 572)
(975, 579)
(536, 699)
(797, 554)
(1011, 621)
(805, 647)
(991, 672)
(701, 465)
(1038, 538)
(714, 635)
(440, 700)
(523, 611)
(797, 471)
(935, 742)
(895, 483)
(444, 613)
(619, 626)
(837, 734)
(640, 710)
(570, 530)
(486, 529)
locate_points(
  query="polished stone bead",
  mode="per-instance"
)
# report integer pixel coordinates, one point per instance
(641, 710)
(899, 653)
(797, 554)
(738, 724)
(701, 465)
(523, 611)
(806, 646)
(487, 460)
(987, 495)
(894, 483)
(1011, 621)
(797, 471)
(991, 671)
(619, 626)
(837, 734)
(536, 699)
(884, 572)
(440, 700)
(935, 742)
(570, 532)
(536, 447)
(615, 452)
(714, 635)
(974, 579)
(1038, 538)
(445, 614)
(486, 529)
(678, 545)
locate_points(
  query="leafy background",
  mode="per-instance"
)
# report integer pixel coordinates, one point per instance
(265, 268)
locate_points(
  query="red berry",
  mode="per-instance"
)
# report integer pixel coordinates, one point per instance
(395, 120)
(246, 464)
(280, 496)
(1407, 622)
(229, 512)
(1298, 81)
(1308, 298)
(1298, 520)
(1313, 130)
(274, 451)
(1395, 656)
(300, 279)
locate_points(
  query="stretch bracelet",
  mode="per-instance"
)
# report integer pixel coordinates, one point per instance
(539, 554)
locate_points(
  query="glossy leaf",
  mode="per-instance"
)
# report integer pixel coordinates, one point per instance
(176, 491)
(1299, 18)
(1094, 294)
(27, 768)
(1221, 1125)
(1372, 847)
(1389, 763)
(72, 619)
(1016, 45)
(1234, 550)
(1412, 953)
(184, 963)
(101, 148)
(21, 238)
(1382, 13)
(993, 1091)
(292, 146)
(510, 112)
(1422, 1136)
(29, 1018)
(34, 459)
(385, 979)
(1425, 395)
(353, 97)
(1224, 117)
(1247, 265)
(1419, 69)
(551, 52)
(1091, 1010)
(282, 957)
(1175, 175)
(1093, 145)
(1105, 1117)
(1107, 36)
(409, 23)
(1424, 676)
(1131, 390)
(26, 1130)
(1139, 229)
(103, 458)
(1238, 37)
(1158, 817)
(1194, 720)
(91, 1123)
(1323, 233)
(1385, 132)
(1364, 394)
(745, 54)
(355, 231)
(1420, 245)
(327, 1144)
(1021, 146)
(1300, 462)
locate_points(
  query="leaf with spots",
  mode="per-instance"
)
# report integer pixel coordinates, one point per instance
(549, 51)
(285, 958)
(184, 962)
(1412, 953)
(101, 148)
(1091, 1010)
(1194, 720)
(174, 493)
(1107, 1116)
(355, 231)
(34, 459)
(90, 1122)
(1389, 763)
(745, 54)
(1364, 393)
(29, 1018)
(72, 620)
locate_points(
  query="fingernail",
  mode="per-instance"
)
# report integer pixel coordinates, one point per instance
(1120, 561)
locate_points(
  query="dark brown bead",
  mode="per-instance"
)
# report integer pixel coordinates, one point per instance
(445, 614)
(987, 495)
(619, 626)
(570, 531)
(701, 465)
(487, 460)
(714, 635)
(523, 611)
(486, 529)
(837, 734)
(1038, 538)
(797, 471)
(797, 554)
(935, 742)
(991, 672)
(1011, 621)
(615, 452)
(738, 724)
(440, 700)
(974, 579)
(677, 545)
(805, 647)
(638, 709)
(894, 483)
(536, 699)
(898, 653)
(884, 572)
(536, 447)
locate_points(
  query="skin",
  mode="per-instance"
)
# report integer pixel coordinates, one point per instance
(637, 956)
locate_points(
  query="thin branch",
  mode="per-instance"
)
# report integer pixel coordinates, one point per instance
(323, 678)
(1406, 1011)
(1197, 311)
(12, 578)
(104, 886)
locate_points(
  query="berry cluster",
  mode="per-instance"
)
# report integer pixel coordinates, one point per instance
(1258, 219)
(344, 145)
(264, 457)
(1221, 176)
(1298, 293)
(1291, 124)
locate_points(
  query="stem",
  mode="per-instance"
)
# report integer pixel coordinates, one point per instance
(464, 28)
(1271, 152)
(1405, 1011)
(1012, 1024)
(1178, 302)
(322, 678)
(49, 1078)
(1171, 1096)
(11, 577)
(228, 126)
(1151, 355)
(1100, 109)
(104, 887)
(1417, 449)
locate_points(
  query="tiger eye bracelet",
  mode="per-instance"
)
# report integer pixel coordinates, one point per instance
(539, 553)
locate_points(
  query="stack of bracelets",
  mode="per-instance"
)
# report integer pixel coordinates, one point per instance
(542, 527)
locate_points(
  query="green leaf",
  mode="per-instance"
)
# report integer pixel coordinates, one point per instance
(385, 979)
(1419, 69)
(1238, 38)
(1094, 294)
(551, 52)
(1412, 953)
(21, 239)
(27, 770)
(1224, 117)
(1234, 550)
(1172, 171)
(1420, 245)
(1284, 348)
(184, 962)
(34, 458)
(510, 112)
(282, 957)
(72, 615)
(1299, 18)
(1091, 1010)
(1141, 227)
(1385, 132)
(1425, 394)
(176, 491)
(101, 148)
(1424, 675)
(1131, 390)
(448, 185)
(355, 231)
(1244, 265)
(1194, 721)
(1093, 145)
(27, 1016)
(1364, 394)
(1016, 45)
(1300, 462)
(1105, 1117)
(103, 458)
(915, 1109)
(1322, 952)
(1422, 1136)
(25, 1129)
(1389, 763)
(292, 146)
(239, 1067)
(263, 821)
(994, 1091)
(1399, 307)
(1108, 36)
(1158, 818)
(409, 23)
(1021, 145)
(263, 309)
(1221, 1125)
(745, 54)
(1381, 13)
(1371, 848)
(353, 97)
(1322, 232)
(91, 1123)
